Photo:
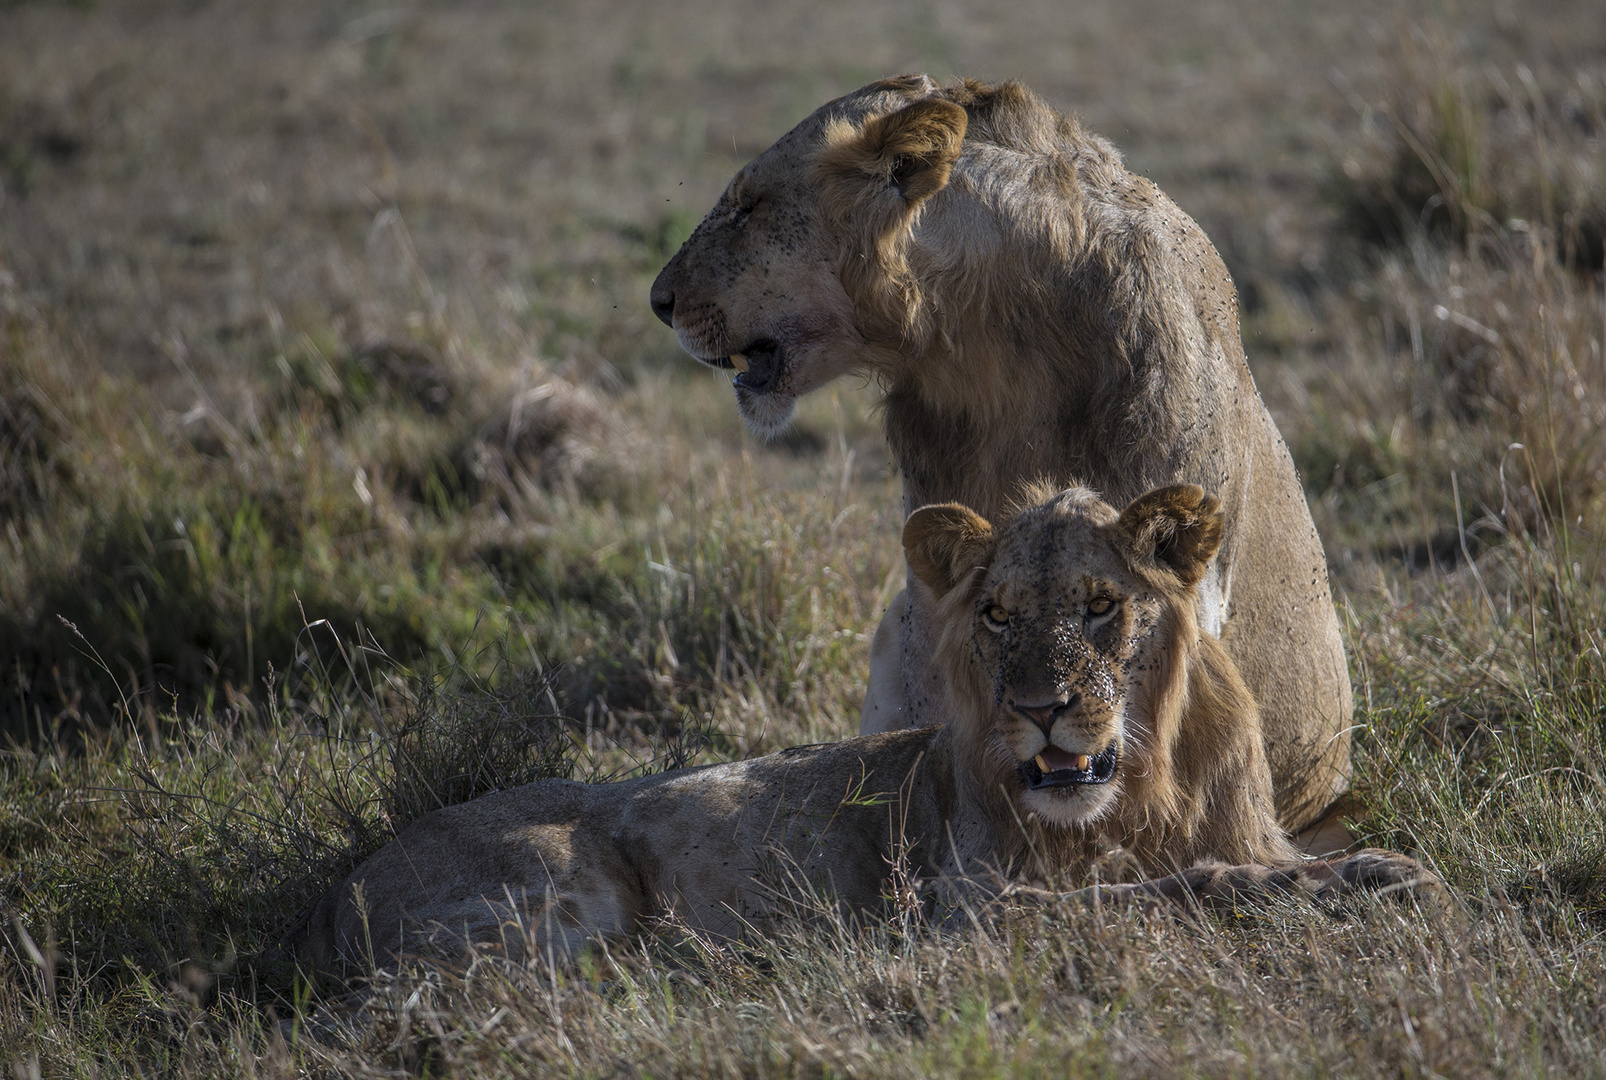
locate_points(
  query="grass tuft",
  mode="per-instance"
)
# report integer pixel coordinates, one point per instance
(1456, 148)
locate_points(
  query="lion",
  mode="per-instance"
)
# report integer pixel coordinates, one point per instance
(1095, 726)
(1029, 308)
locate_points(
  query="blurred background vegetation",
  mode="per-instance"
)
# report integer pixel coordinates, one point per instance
(344, 473)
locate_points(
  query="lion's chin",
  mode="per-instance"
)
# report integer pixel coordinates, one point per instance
(765, 414)
(1067, 806)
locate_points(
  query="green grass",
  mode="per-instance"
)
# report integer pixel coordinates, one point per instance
(344, 474)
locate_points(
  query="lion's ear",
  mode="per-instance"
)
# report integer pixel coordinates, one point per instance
(945, 543)
(1176, 529)
(910, 151)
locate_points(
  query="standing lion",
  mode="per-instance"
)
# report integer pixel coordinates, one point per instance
(1030, 309)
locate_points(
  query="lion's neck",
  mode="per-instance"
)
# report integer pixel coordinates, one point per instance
(949, 454)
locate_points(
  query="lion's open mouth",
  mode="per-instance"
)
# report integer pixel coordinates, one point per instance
(758, 366)
(1060, 768)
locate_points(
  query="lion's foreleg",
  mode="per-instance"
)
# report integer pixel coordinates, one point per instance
(1375, 870)
(1215, 884)
(883, 693)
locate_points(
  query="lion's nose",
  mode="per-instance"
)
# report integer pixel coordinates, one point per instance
(662, 300)
(1044, 715)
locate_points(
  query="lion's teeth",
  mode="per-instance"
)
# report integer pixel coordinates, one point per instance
(1043, 765)
(739, 361)
(1082, 761)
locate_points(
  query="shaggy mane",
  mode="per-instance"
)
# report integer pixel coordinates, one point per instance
(1189, 722)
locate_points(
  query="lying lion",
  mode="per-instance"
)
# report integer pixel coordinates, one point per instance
(1029, 307)
(1091, 714)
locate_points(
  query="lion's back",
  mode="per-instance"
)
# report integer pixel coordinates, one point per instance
(556, 863)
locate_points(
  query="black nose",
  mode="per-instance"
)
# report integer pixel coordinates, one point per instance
(662, 300)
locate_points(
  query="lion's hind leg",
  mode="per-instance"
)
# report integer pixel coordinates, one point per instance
(525, 926)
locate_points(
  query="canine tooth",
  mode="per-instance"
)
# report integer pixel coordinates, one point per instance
(1041, 764)
(1082, 761)
(739, 361)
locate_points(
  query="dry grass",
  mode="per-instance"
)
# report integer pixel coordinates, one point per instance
(1456, 148)
(1472, 336)
(333, 421)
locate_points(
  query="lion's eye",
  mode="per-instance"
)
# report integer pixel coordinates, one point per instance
(1100, 605)
(996, 617)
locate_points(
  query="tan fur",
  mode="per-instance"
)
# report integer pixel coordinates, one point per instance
(1192, 782)
(544, 868)
(1030, 309)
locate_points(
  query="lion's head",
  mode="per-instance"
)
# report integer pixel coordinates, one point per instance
(1066, 634)
(759, 286)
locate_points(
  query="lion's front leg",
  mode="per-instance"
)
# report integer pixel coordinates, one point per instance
(1219, 884)
(884, 708)
(1374, 870)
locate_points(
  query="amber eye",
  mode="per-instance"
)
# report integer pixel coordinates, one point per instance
(996, 617)
(1100, 605)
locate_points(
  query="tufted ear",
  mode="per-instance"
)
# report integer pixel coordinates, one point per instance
(910, 151)
(1176, 529)
(944, 543)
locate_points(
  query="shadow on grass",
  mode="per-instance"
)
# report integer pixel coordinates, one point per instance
(206, 839)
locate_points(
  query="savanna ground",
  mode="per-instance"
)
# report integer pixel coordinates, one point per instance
(344, 473)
